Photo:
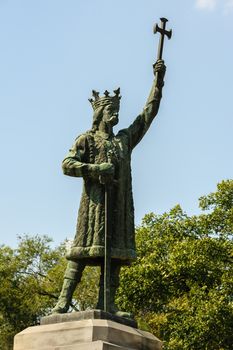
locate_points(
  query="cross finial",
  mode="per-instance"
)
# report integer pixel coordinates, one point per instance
(163, 32)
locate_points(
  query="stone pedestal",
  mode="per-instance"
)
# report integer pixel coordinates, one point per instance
(85, 334)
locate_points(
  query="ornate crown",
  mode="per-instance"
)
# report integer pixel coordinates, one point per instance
(105, 100)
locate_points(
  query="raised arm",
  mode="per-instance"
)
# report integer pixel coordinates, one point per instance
(141, 124)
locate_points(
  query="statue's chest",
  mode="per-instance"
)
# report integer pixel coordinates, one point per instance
(110, 151)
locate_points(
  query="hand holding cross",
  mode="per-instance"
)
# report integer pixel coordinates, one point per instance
(159, 67)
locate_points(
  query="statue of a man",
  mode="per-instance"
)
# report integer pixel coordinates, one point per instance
(99, 156)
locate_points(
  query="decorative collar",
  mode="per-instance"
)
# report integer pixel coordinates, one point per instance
(104, 135)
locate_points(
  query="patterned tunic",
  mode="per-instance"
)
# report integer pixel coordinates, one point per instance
(93, 148)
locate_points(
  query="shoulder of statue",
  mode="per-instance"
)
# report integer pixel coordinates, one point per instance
(123, 133)
(83, 138)
(124, 136)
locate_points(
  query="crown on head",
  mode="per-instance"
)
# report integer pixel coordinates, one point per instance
(106, 99)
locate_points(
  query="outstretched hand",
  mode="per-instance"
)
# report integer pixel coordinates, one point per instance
(160, 68)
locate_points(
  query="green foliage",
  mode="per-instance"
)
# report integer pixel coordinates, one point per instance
(31, 277)
(181, 285)
(23, 279)
(86, 294)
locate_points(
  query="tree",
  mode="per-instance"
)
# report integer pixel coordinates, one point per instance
(181, 285)
(22, 274)
(30, 282)
(180, 288)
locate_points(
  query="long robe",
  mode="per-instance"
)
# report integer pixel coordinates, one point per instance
(93, 148)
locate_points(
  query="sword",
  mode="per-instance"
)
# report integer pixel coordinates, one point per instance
(107, 247)
(108, 183)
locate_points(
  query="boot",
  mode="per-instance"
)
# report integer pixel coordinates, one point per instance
(114, 284)
(113, 308)
(72, 277)
(65, 297)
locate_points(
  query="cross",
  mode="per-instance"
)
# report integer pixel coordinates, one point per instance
(163, 32)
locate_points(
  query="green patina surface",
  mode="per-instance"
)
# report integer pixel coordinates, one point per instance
(90, 151)
(103, 160)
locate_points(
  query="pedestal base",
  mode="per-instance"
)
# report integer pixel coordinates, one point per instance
(92, 334)
(87, 315)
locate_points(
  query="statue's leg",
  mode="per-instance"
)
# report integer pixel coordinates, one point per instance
(100, 304)
(114, 284)
(72, 277)
(115, 281)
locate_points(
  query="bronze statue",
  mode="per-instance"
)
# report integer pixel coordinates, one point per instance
(103, 160)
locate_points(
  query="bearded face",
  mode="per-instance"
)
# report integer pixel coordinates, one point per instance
(110, 115)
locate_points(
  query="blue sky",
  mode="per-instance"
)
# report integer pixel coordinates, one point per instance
(53, 53)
